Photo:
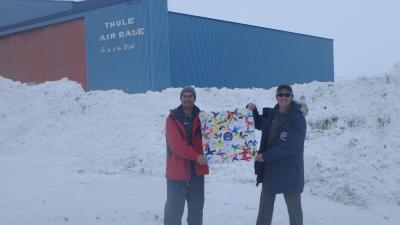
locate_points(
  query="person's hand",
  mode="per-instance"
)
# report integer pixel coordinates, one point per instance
(202, 160)
(259, 158)
(251, 106)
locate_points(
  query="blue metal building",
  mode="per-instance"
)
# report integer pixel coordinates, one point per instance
(225, 54)
(137, 45)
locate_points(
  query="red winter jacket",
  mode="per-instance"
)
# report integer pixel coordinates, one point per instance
(179, 152)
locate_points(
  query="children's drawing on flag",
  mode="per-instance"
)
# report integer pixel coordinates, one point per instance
(228, 136)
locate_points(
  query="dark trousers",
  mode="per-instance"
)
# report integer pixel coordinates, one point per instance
(266, 209)
(177, 193)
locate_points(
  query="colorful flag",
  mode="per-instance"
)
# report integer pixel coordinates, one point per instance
(228, 136)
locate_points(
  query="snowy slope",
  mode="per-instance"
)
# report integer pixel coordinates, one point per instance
(57, 138)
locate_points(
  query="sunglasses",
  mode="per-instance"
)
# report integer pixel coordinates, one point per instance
(284, 94)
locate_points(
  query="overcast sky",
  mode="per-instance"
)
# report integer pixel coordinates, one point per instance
(366, 33)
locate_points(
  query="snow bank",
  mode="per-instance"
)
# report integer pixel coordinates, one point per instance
(352, 152)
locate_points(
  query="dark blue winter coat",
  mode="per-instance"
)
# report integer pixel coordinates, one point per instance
(283, 168)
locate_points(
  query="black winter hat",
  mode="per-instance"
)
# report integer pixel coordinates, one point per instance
(284, 86)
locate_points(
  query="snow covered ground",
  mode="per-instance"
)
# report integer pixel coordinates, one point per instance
(74, 157)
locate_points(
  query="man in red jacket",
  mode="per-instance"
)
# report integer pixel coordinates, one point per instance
(186, 164)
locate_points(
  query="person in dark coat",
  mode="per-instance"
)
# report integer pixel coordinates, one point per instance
(186, 164)
(279, 165)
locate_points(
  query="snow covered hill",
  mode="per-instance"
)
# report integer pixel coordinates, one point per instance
(352, 152)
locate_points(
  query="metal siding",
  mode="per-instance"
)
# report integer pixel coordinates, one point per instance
(27, 53)
(4, 31)
(159, 44)
(41, 16)
(175, 50)
(211, 53)
(65, 51)
(128, 70)
(49, 53)
(5, 59)
(144, 68)
(20, 54)
(12, 11)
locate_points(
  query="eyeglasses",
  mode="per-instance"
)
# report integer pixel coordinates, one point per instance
(284, 94)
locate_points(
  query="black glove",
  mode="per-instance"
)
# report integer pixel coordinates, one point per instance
(259, 171)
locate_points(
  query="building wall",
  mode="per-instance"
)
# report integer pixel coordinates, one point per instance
(159, 45)
(124, 44)
(127, 46)
(137, 45)
(206, 52)
(48, 53)
(16, 11)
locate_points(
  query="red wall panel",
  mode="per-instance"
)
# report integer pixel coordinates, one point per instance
(5, 65)
(43, 54)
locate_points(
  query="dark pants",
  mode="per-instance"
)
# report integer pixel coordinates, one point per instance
(177, 193)
(293, 203)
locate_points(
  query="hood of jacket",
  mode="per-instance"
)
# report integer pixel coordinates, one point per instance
(177, 113)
